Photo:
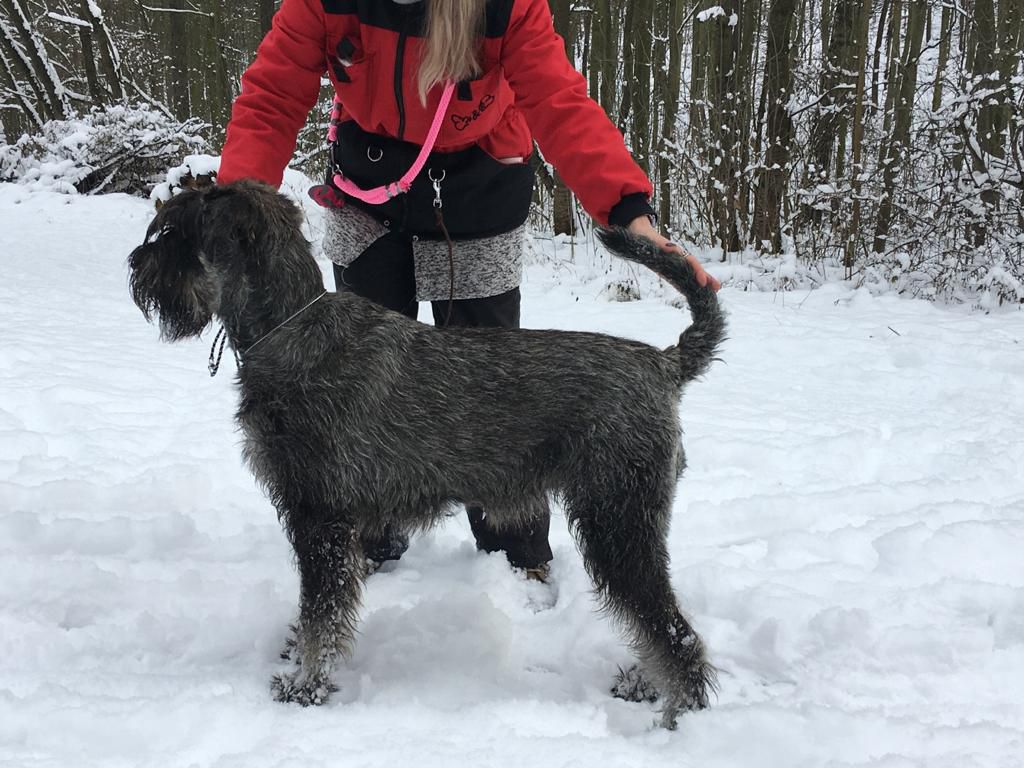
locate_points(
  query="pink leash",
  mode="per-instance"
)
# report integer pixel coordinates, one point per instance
(382, 194)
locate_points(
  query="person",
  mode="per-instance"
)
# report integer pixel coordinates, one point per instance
(447, 97)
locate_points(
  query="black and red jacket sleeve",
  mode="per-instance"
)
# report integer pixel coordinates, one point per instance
(572, 130)
(282, 85)
(279, 89)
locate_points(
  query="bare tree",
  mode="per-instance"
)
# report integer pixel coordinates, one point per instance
(26, 50)
(266, 15)
(672, 87)
(724, 109)
(564, 211)
(899, 139)
(767, 230)
(837, 87)
(852, 229)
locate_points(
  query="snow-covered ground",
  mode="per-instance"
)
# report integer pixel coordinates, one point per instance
(848, 539)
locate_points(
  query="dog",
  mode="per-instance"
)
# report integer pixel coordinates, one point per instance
(356, 418)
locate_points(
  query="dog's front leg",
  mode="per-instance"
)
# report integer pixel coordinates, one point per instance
(332, 569)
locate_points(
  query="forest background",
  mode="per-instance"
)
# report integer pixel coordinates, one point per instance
(876, 141)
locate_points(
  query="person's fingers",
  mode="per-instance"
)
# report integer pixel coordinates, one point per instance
(709, 279)
(704, 278)
(698, 268)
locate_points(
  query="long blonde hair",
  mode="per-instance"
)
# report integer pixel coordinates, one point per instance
(451, 49)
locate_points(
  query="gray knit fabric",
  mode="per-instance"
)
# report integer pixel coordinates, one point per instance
(485, 266)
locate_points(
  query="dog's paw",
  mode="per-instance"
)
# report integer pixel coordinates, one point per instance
(632, 685)
(694, 695)
(290, 651)
(296, 689)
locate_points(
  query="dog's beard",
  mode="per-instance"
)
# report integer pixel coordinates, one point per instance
(168, 281)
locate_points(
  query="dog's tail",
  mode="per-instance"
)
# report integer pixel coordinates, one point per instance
(698, 343)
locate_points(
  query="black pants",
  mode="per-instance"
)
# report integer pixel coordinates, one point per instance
(385, 274)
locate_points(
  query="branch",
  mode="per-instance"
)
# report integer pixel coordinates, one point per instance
(69, 20)
(177, 10)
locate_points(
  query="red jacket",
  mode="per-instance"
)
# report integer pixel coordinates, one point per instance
(528, 89)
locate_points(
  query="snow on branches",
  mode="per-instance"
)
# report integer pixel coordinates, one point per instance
(115, 149)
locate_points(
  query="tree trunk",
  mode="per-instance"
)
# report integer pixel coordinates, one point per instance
(723, 187)
(603, 56)
(668, 124)
(629, 54)
(983, 64)
(836, 87)
(266, 15)
(744, 98)
(110, 60)
(178, 69)
(659, 73)
(223, 94)
(698, 80)
(853, 231)
(826, 22)
(35, 60)
(640, 90)
(778, 78)
(564, 214)
(893, 69)
(1011, 42)
(876, 62)
(945, 37)
(92, 77)
(28, 101)
(899, 140)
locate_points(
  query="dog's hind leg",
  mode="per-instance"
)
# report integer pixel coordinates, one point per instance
(332, 569)
(622, 539)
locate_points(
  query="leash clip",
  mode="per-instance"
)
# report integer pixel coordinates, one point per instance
(437, 186)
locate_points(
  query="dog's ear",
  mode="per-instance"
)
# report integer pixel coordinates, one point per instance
(240, 221)
(167, 275)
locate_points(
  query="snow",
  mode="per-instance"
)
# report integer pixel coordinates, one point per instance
(716, 11)
(69, 20)
(191, 165)
(847, 539)
(712, 12)
(67, 153)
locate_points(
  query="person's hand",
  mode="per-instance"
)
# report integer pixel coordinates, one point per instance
(642, 226)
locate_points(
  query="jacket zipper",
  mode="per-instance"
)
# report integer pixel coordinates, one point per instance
(399, 66)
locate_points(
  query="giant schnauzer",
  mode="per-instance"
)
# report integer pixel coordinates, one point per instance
(356, 418)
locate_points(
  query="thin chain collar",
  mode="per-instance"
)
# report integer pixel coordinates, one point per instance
(221, 336)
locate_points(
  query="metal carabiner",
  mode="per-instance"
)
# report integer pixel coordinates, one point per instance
(437, 186)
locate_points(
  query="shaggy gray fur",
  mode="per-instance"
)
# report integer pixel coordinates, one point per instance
(355, 417)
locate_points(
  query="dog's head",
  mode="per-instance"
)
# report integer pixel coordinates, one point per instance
(205, 247)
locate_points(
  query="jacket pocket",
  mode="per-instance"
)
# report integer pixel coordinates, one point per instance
(351, 72)
(481, 196)
(477, 107)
